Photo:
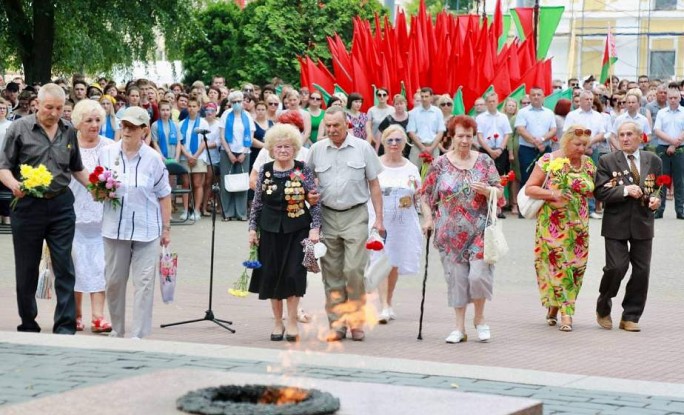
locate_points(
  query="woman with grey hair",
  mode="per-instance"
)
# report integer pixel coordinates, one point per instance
(280, 220)
(88, 247)
(236, 132)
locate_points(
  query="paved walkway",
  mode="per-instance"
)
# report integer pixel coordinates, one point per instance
(590, 365)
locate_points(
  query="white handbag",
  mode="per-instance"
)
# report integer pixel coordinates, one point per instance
(378, 269)
(236, 182)
(528, 206)
(495, 245)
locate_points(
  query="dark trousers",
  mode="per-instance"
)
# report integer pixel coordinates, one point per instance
(673, 166)
(527, 156)
(619, 254)
(503, 165)
(33, 221)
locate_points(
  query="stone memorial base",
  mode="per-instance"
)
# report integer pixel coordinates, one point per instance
(156, 393)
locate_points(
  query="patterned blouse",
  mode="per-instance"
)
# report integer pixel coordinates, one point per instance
(358, 124)
(460, 213)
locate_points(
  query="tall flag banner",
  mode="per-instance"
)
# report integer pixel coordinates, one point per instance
(609, 56)
(551, 101)
(459, 108)
(523, 17)
(549, 18)
(324, 94)
(516, 95)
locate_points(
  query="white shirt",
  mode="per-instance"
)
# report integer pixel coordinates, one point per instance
(637, 160)
(263, 157)
(638, 119)
(186, 138)
(671, 122)
(238, 132)
(537, 122)
(4, 125)
(591, 119)
(213, 137)
(426, 123)
(144, 180)
(493, 128)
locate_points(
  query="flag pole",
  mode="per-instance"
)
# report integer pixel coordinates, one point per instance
(535, 25)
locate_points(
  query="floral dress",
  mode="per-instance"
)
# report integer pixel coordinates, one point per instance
(562, 238)
(460, 213)
(358, 124)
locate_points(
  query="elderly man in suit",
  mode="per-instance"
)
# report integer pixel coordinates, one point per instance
(625, 181)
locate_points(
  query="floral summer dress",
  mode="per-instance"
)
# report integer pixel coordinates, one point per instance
(460, 213)
(562, 237)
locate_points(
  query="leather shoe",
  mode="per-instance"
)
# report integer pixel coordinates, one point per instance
(629, 326)
(658, 215)
(680, 216)
(606, 322)
(276, 337)
(357, 335)
(336, 335)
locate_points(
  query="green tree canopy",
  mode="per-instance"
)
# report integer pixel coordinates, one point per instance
(50, 37)
(264, 39)
(435, 6)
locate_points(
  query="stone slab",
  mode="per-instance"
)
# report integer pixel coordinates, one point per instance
(156, 393)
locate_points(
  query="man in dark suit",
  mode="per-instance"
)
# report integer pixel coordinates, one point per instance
(625, 182)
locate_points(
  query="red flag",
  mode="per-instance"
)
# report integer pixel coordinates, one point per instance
(526, 17)
(498, 21)
(361, 84)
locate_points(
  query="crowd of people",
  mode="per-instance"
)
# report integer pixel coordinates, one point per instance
(327, 171)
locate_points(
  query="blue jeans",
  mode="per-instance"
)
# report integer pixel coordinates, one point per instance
(673, 166)
(528, 156)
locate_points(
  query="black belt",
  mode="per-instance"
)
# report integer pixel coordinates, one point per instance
(52, 195)
(344, 210)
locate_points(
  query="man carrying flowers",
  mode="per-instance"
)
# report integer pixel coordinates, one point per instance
(43, 142)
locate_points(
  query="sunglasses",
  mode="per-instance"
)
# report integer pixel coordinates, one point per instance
(314, 99)
(382, 95)
(580, 132)
(573, 85)
(393, 140)
(272, 104)
(525, 103)
(446, 104)
(622, 102)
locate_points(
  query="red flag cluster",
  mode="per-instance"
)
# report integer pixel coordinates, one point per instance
(454, 51)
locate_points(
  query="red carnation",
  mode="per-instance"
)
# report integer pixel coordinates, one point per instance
(92, 178)
(374, 245)
(511, 176)
(496, 135)
(98, 170)
(426, 157)
(644, 138)
(663, 180)
(504, 180)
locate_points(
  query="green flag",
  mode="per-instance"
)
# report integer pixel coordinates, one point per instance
(518, 25)
(506, 29)
(551, 101)
(549, 17)
(403, 89)
(459, 108)
(516, 95)
(326, 96)
(279, 89)
(339, 89)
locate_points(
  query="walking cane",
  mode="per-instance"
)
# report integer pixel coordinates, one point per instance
(422, 301)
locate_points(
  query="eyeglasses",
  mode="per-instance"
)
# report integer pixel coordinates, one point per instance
(558, 87)
(381, 95)
(394, 140)
(574, 85)
(580, 132)
(313, 99)
(525, 103)
(248, 90)
(209, 110)
(235, 102)
(272, 104)
(622, 102)
(446, 104)
(3, 108)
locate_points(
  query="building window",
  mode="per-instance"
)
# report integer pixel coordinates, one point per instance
(665, 4)
(662, 64)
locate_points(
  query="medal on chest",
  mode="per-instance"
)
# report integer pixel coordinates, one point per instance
(295, 194)
(268, 186)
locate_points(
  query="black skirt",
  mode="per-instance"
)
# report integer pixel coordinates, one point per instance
(282, 274)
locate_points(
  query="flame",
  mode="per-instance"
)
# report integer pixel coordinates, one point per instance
(283, 396)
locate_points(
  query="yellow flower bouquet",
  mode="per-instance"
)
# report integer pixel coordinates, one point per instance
(35, 181)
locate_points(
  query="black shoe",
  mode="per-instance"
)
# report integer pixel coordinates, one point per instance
(292, 338)
(658, 215)
(501, 216)
(680, 216)
(275, 337)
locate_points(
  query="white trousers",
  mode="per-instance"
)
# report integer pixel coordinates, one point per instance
(138, 260)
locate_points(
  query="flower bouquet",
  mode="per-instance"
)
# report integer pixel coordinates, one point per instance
(661, 181)
(103, 185)
(427, 160)
(507, 178)
(241, 284)
(375, 241)
(35, 181)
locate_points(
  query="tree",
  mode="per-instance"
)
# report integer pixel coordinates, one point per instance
(68, 36)
(264, 39)
(435, 6)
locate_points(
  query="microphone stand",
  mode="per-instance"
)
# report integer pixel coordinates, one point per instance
(209, 314)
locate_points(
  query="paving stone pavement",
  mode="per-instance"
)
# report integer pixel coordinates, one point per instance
(587, 371)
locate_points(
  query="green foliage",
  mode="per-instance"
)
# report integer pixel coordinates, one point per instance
(92, 36)
(264, 39)
(436, 6)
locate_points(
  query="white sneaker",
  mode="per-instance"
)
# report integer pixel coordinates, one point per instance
(456, 337)
(183, 216)
(595, 215)
(384, 316)
(196, 216)
(392, 316)
(483, 332)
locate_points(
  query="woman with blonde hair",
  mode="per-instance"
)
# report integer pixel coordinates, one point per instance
(562, 236)
(400, 116)
(110, 125)
(446, 105)
(280, 220)
(399, 181)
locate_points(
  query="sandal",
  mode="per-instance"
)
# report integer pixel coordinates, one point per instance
(552, 316)
(79, 324)
(100, 326)
(566, 323)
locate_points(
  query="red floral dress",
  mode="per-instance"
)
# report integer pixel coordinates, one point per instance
(561, 247)
(460, 214)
